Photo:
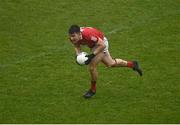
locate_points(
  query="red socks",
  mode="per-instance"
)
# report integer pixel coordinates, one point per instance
(93, 86)
(130, 64)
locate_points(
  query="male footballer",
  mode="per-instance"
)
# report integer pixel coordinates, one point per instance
(98, 44)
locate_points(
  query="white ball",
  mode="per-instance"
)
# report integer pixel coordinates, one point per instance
(81, 58)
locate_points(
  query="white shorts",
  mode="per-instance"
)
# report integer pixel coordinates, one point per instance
(106, 44)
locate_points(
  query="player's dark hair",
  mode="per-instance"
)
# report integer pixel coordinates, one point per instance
(74, 29)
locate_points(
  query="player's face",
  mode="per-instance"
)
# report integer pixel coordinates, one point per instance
(75, 37)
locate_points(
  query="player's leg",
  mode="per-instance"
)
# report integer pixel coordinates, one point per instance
(107, 59)
(93, 66)
(110, 62)
(94, 74)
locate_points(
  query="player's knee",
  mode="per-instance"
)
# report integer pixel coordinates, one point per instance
(92, 68)
(109, 65)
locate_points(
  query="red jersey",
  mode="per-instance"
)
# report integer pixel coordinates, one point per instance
(90, 36)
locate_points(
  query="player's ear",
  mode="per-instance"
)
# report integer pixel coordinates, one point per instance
(79, 33)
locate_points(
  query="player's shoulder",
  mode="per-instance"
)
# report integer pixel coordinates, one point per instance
(86, 28)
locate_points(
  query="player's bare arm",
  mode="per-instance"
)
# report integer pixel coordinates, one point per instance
(100, 47)
(77, 49)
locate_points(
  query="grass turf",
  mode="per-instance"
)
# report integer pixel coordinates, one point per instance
(41, 83)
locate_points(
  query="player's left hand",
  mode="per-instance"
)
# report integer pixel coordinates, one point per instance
(90, 57)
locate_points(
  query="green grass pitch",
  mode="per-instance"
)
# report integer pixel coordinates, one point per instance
(41, 83)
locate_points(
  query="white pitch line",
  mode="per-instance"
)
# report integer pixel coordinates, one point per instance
(114, 31)
(119, 29)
